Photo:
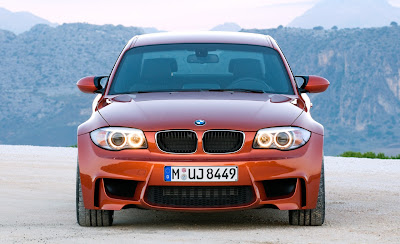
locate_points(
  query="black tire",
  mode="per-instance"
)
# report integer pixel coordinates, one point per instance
(311, 217)
(90, 217)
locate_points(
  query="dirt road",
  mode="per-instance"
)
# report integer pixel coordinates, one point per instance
(37, 204)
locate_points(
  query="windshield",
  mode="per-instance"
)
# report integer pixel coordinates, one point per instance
(201, 67)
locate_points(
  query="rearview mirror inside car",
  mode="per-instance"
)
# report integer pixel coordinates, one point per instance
(210, 58)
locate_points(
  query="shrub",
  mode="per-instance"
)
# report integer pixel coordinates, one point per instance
(367, 155)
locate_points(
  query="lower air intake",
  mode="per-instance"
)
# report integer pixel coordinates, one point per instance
(199, 196)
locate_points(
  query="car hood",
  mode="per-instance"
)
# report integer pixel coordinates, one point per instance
(220, 110)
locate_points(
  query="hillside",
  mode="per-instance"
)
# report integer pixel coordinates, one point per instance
(42, 105)
(19, 22)
(39, 71)
(348, 14)
(227, 27)
(362, 104)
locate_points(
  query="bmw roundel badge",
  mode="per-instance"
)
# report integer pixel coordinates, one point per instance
(200, 122)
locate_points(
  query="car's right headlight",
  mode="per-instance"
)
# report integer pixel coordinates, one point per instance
(282, 138)
(118, 138)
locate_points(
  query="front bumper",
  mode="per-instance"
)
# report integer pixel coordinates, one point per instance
(145, 167)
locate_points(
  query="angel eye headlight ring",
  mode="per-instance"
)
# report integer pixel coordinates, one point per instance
(281, 138)
(135, 140)
(265, 140)
(118, 138)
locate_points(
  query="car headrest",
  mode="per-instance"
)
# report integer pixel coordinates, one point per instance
(158, 68)
(245, 67)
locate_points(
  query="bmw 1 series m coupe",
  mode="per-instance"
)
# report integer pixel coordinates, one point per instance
(201, 122)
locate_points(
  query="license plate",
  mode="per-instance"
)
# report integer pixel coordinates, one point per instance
(200, 174)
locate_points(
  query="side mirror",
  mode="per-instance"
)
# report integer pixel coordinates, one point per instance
(92, 84)
(312, 84)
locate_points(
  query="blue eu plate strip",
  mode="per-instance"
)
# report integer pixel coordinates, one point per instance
(167, 173)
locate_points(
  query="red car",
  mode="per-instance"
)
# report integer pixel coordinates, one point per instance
(201, 122)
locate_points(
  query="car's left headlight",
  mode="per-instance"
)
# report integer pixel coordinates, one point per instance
(283, 138)
(118, 138)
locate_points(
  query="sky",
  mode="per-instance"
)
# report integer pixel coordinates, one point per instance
(169, 15)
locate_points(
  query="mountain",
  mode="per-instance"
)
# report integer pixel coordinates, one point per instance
(227, 27)
(40, 67)
(362, 104)
(41, 104)
(19, 22)
(348, 14)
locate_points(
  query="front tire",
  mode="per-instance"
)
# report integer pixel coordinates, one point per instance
(311, 217)
(90, 217)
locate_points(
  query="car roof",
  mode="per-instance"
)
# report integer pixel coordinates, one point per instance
(202, 37)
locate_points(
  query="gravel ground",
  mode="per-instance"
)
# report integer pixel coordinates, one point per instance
(37, 204)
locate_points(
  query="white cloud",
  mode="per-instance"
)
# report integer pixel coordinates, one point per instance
(395, 3)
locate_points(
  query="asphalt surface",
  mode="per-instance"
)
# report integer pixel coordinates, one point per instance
(37, 204)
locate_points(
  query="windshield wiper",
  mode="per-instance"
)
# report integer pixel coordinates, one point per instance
(202, 90)
(133, 92)
(236, 90)
(184, 90)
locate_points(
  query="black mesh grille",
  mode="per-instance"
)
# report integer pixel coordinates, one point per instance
(177, 141)
(199, 196)
(222, 141)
